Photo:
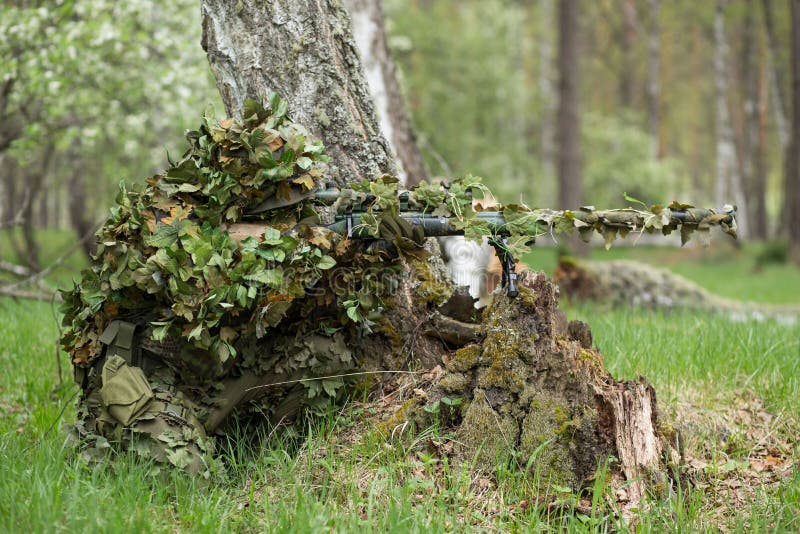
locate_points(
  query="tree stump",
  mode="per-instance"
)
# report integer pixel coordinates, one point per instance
(532, 392)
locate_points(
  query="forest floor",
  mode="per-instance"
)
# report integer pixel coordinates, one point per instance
(731, 389)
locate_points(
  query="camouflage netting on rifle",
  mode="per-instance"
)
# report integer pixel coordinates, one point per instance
(217, 288)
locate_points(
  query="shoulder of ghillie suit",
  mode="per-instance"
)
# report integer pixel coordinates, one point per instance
(166, 260)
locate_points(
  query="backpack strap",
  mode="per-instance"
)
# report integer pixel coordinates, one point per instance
(119, 340)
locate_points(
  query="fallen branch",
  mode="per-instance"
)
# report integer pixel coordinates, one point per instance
(13, 268)
(36, 277)
(22, 294)
(10, 223)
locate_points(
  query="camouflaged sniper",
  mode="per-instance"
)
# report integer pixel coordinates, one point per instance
(178, 325)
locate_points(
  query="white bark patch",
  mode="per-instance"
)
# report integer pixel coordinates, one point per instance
(468, 263)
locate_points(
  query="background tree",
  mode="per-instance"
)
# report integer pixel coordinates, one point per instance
(728, 178)
(258, 53)
(568, 126)
(793, 176)
(90, 91)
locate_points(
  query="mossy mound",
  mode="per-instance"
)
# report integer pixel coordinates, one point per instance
(532, 393)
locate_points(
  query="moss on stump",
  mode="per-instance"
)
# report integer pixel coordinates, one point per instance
(535, 396)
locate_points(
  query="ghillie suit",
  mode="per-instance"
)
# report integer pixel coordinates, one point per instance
(177, 324)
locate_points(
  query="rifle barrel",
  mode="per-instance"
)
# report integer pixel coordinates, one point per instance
(439, 226)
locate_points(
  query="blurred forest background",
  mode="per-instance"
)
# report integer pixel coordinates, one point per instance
(674, 99)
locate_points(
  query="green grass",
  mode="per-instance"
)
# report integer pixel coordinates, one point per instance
(343, 475)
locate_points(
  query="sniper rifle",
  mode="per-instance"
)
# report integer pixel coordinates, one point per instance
(348, 222)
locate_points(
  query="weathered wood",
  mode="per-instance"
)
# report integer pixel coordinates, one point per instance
(534, 392)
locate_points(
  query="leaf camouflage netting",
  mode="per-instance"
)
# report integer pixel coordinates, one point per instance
(165, 252)
(168, 261)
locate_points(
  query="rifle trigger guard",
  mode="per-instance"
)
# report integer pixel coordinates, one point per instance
(509, 279)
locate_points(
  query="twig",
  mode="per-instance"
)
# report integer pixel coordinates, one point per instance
(60, 335)
(13, 268)
(10, 223)
(361, 373)
(18, 219)
(53, 424)
(423, 142)
(35, 277)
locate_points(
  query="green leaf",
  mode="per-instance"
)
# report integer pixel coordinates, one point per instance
(432, 408)
(272, 236)
(330, 386)
(352, 313)
(163, 236)
(196, 332)
(326, 262)
(634, 200)
(283, 107)
(270, 277)
(188, 188)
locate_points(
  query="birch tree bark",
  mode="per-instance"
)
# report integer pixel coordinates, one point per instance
(369, 31)
(304, 51)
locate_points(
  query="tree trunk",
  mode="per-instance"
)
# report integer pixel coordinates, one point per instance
(780, 104)
(654, 78)
(753, 165)
(545, 84)
(568, 125)
(568, 134)
(76, 201)
(728, 180)
(29, 251)
(793, 175)
(628, 47)
(779, 99)
(529, 382)
(6, 203)
(305, 52)
(381, 72)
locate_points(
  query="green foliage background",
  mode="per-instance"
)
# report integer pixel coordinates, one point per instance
(105, 86)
